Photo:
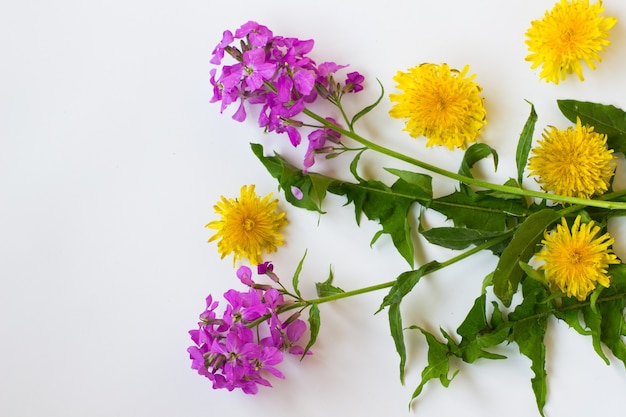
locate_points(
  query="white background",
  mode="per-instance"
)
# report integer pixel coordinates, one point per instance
(111, 158)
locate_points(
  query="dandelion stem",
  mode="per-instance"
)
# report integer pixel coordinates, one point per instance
(441, 265)
(612, 205)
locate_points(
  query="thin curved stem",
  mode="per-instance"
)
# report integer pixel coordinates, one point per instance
(601, 203)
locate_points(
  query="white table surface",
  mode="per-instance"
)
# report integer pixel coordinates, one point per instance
(111, 158)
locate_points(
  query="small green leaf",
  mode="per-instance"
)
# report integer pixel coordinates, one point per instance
(475, 153)
(508, 272)
(313, 186)
(405, 283)
(314, 327)
(438, 363)
(397, 333)
(458, 237)
(369, 108)
(296, 276)
(605, 119)
(326, 288)
(478, 334)
(525, 142)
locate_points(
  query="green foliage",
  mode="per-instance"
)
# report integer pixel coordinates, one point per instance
(478, 217)
(326, 288)
(508, 272)
(475, 153)
(524, 144)
(313, 186)
(388, 205)
(480, 210)
(314, 326)
(530, 323)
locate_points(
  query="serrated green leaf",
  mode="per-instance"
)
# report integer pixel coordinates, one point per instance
(475, 153)
(508, 272)
(593, 320)
(611, 307)
(397, 333)
(605, 119)
(438, 363)
(388, 205)
(477, 334)
(479, 210)
(313, 186)
(457, 237)
(530, 323)
(525, 142)
(326, 288)
(314, 327)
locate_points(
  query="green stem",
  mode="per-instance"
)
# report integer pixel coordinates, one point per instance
(441, 265)
(612, 205)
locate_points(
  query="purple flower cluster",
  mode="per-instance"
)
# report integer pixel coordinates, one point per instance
(276, 73)
(234, 350)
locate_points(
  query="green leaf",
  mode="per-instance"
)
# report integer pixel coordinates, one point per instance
(605, 323)
(605, 119)
(369, 108)
(480, 210)
(475, 153)
(611, 307)
(457, 237)
(296, 276)
(530, 323)
(354, 164)
(397, 333)
(508, 272)
(525, 142)
(438, 362)
(324, 289)
(314, 327)
(477, 333)
(313, 186)
(418, 186)
(405, 283)
(388, 205)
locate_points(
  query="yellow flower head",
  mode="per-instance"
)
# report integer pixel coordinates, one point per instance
(249, 226)
(573, 162)
(576, 260)
(440, 103)
(572, 32)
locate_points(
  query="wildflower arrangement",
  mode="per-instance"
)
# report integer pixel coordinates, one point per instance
(555, 256)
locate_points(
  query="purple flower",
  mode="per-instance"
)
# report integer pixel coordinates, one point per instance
(276, 73)
(218, 52)
(354, 82)
(234, 355)
(264, 268)
(258, 35)
(317, 143)
(256, 69)
(245, 275)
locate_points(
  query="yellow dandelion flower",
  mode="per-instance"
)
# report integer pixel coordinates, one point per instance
(571, 33)
(248, 226)
(573, 162)
(440, 103)
(577, 260)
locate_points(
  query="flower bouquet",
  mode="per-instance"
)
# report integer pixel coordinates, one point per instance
(555, 252)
